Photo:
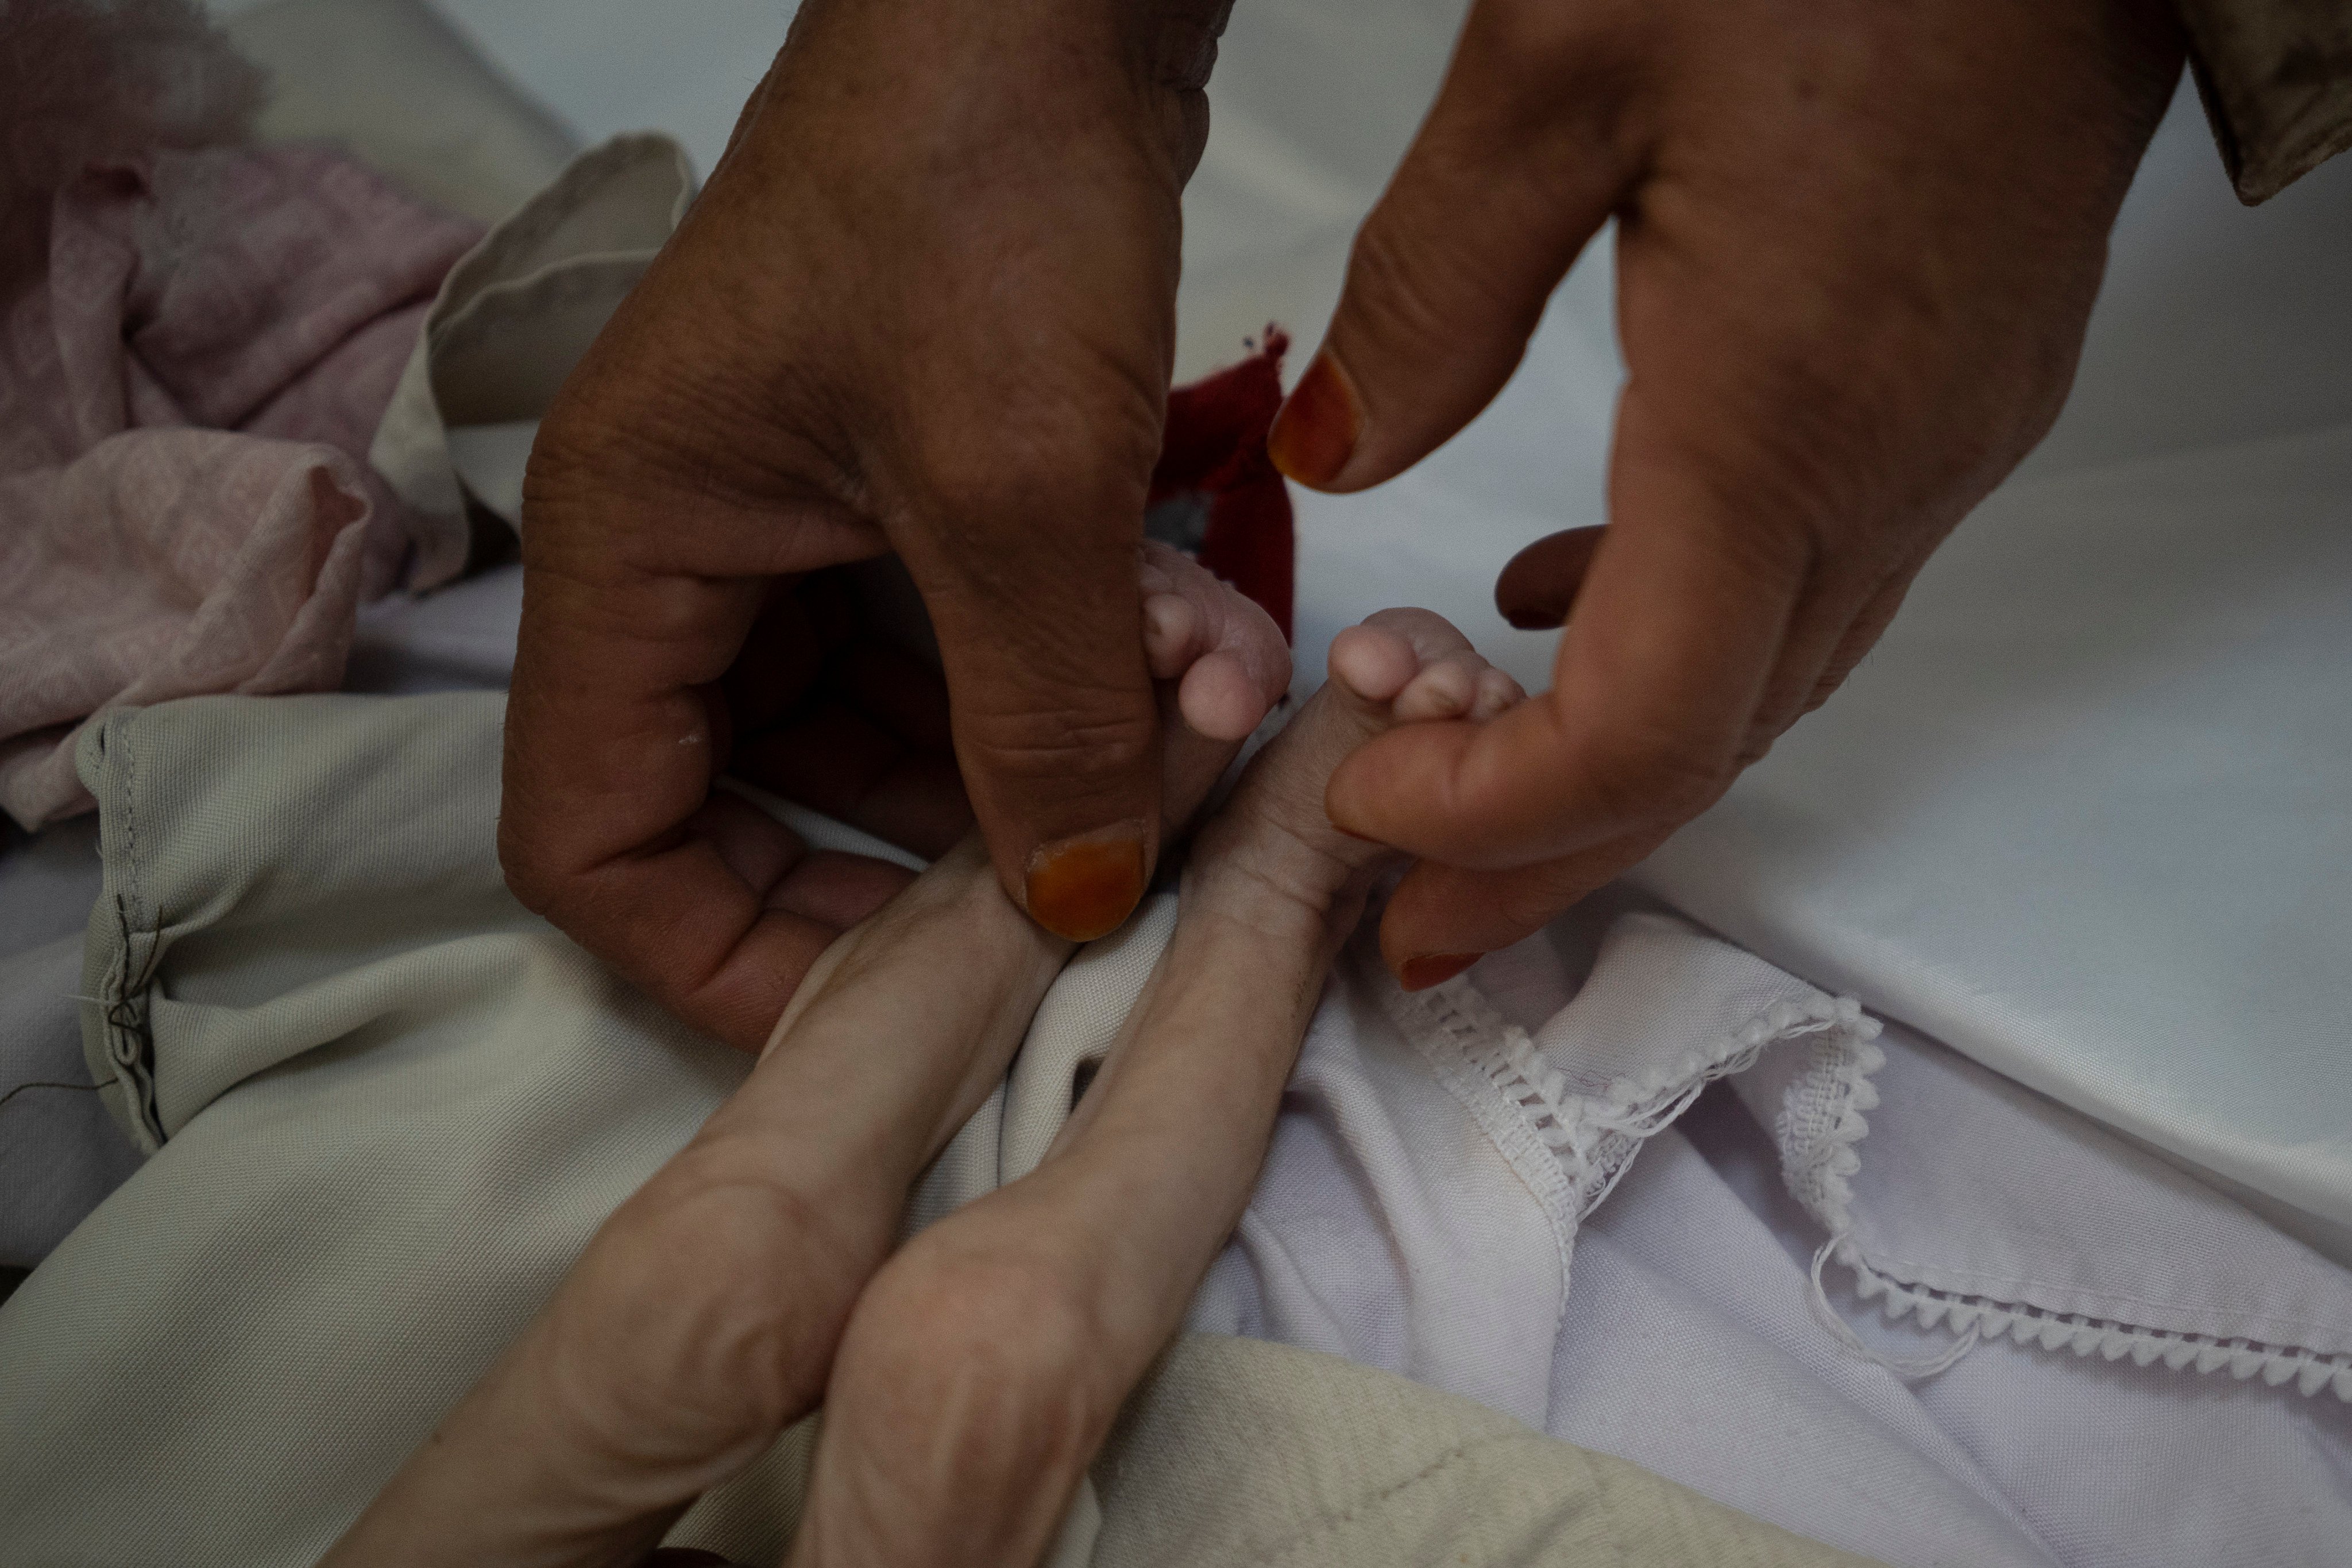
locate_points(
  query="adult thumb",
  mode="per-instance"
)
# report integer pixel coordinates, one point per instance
(1056, 733)
(1528, 148)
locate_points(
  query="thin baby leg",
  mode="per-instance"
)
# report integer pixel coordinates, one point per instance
(702, 1318)
(984, 1364)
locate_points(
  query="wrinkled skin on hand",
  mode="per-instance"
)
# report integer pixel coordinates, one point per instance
(1857, 245)
(925, 306)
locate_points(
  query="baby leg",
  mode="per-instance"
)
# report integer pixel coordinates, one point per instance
(984, 1364)
(702, 1318)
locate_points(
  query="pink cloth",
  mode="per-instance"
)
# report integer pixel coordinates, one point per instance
(186, 400)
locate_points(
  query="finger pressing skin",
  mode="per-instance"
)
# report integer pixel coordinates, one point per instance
(1656, 680)
(1523, 154)
(1449, 912)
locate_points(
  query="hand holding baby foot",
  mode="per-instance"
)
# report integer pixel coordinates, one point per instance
(982, 1367)
(701, 1320)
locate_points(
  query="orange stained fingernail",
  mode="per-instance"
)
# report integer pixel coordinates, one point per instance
(1315, 434)
(1434, 969)
(1080, 889)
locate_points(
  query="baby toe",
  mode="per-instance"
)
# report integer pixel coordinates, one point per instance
(1497, 695)
(1446, 690)
(1172, 634)
(1219, 699)
(1226, 621)
(1373, 663)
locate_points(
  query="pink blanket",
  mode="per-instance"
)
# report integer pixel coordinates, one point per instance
(186, 398)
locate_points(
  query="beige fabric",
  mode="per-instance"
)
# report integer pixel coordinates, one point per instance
(514, 315)
(387, 1106)
(1240, 1452)
(2276, 78)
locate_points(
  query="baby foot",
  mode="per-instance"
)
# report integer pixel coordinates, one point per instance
(1220, 665)
(1400, 666)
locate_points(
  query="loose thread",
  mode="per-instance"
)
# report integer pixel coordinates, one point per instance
(1817, 1299)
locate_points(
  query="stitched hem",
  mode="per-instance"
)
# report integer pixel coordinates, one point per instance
(1454, 1026)
(121, 955)
(1820, 1129)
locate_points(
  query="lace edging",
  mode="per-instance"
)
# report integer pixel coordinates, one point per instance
(1819, 1170)
(1596, 1136)
(1982, 1316)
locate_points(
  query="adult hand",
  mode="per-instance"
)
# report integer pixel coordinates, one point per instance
(924, 306)
(1857, 244)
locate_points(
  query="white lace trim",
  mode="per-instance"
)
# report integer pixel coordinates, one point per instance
(1595, 1136)
(1979, 1315)
(1819, 1129)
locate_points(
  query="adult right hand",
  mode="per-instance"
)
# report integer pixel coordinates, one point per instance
(1857, 244)
(926, 305)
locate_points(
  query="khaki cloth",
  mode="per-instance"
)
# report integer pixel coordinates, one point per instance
(387, 1106)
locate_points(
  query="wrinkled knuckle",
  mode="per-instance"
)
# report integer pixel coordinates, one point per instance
(1835, 676)
(1103, 739)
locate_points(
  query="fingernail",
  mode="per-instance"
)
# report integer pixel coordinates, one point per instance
(1315, 434)
(1434, 969)
(1080, 889)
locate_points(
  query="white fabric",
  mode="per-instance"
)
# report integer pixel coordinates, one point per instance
(2100, 842)
(1689, 1342)
(1436, 1165)
(1964, 1208)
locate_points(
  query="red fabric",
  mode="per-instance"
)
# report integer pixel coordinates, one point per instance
(1214, 447)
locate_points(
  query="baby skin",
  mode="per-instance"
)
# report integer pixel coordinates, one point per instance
(968, 1378)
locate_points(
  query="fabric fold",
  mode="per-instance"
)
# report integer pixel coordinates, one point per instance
(187, 395)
